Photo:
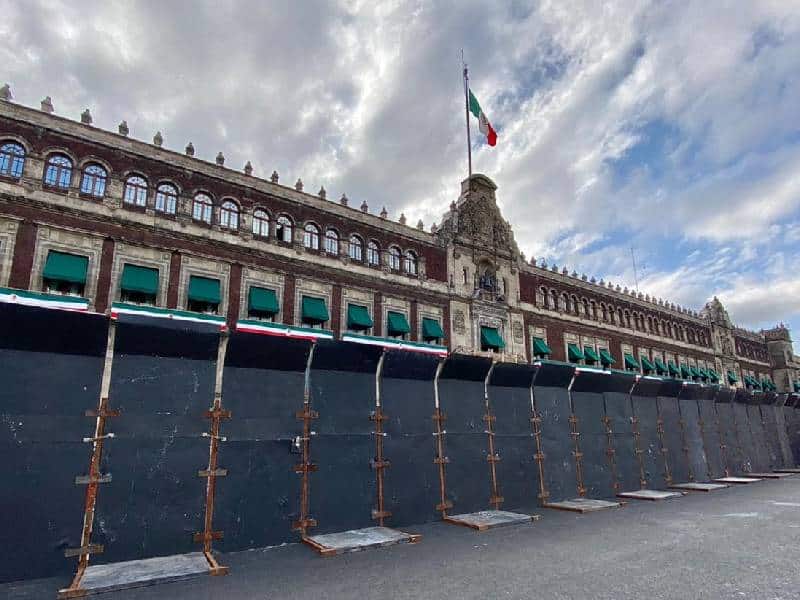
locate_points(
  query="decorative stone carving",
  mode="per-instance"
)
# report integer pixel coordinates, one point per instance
(298, 185)
(517, 333)
(248, 168)
(86, 117)
(274, 177)
(47, 105)
(220, 159)
(190, 149)
(158, 139)
(459, 322)
(5, 93)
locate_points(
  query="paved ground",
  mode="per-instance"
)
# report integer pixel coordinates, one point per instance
(742, 542)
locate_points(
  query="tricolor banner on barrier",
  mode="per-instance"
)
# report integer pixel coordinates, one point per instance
(43, 300)
(395, 344)
(121, 309)
(280, 330)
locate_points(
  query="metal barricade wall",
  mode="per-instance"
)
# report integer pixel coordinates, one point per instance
(51, 365)
(762, 461)
(727, 429)
(791, 413)
(695, 449)
(624, 429)
(712, 442)
(775, 432)
(743, 434)
(651, 444)
(670, 416)
(551, 400)
(162, 382)
(263, 387)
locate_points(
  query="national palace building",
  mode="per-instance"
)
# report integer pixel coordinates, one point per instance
(97, 220)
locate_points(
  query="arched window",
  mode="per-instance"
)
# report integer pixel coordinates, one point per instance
(604, 312)
(93, 181)
(356, 248)
(167, 198)
(311, 236)
(201, 208)
(135, 191)
(58, 173)
(229, 215)
(12, 160)
(410, 263)
(332, 241)
(554, 297)
(373, 254)
(260, 223)
(573, 304)
(628, 320)
(394, 258)
(283, 229)
(545, 297)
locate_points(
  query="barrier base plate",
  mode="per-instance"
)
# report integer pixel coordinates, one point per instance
(355, 540)
(99, 579)
(769, 475)
(789, 471)
(736, 480)
(489, 519)
(583, 505)
(694, 486)
(650, 495)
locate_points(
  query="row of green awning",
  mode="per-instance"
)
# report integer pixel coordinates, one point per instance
(574, 353)
(673, 369)
(631, 364)
(606, 358)
(490, 338)
(591, 355)
(647, 365)
(660, 366)
(732, 379)
(61, 266)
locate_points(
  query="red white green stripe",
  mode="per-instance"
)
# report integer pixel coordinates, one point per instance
(394, 344)
(277, 329)
(122, 308)
(43, 300)
(483, 121)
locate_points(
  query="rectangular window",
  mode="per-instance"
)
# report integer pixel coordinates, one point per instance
(358, 318)
(65, 273)
(397, 325)
(262, 304)
(314, 312)
(432, 330)
(203, 295)
(491, 339)
(139, 285)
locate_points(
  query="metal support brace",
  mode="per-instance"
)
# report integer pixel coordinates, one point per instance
(575, 433)
(440, 459)
(304, 522)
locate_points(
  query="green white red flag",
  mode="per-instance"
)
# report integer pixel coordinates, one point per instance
(483, 121)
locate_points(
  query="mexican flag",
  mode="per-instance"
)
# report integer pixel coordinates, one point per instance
(483, 122)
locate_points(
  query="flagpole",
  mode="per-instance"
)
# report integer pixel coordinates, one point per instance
(466, 111)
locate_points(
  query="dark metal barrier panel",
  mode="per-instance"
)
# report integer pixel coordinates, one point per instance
(162, 382)
(262, 386)
(462, 399)
(589, 411)
(692, 430)
(551, 399)
(619, 412)
(510, 402)
(727, 430)
(712, 441)
(743, 435)
(407, 400)
(791, 412)
(51, 365)
(669, 413)
(343, 490)
(775, 432)
(645, 410)
(762, 461)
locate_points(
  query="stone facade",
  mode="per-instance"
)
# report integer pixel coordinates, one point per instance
(467, 273)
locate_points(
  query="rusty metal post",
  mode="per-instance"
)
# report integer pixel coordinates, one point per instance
(684, 442)
(536, 426)
(575, 433)
(495, 499)
(637, 436)
(379, 463)
(94, 477)
(440, 460)
(664, 450)
(306, 467)
(723, 447)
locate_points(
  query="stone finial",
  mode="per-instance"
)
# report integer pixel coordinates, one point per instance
(123, 128)
(453, 206)
(602, 282)
(248, 168)
(434, 228)
(554, 268)
(158, 139)
(593, 280)
(274, 177)
(190, 149)
(5, 93)
(584, 277)
(384, 214)
(86, 117)
(625, 290)
(364, 207)
(220, 159)
(298, 185)
(564, 271)
(420, 225)
(322, 193)
(574, 273)
(617, 288)
(47, 105)
(402, 219)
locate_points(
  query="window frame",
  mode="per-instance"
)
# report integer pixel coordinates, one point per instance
(229, 215)
(94, 179)
(311, 237)
(373, 254)
(395, 258)
(260, 220)
(205, 213)
(332, 241)
(356, 248)
(166, 198)
(55, 172)
(134, 193)
(14, 162)
(410, 262)
(284, 228)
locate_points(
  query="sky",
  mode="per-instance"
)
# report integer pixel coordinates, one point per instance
(668, 127)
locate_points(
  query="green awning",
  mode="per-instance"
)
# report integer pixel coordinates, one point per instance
(749, 381)
(685, 372)
(713, 375)
(139, 279)
(647, 365)
(396, 323)
(661, 368)
(540, 348)
(204, 289)
(766, 384)
(574, 353)
(630, 363)
(673, 370)
(732, 377)
(591, 355)
(263, 300)
(694, 372)
(797, 386)
(61, 266)
(606, 358)
(431, 329)
(490, 338)
(314, 310)
(358, 317)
